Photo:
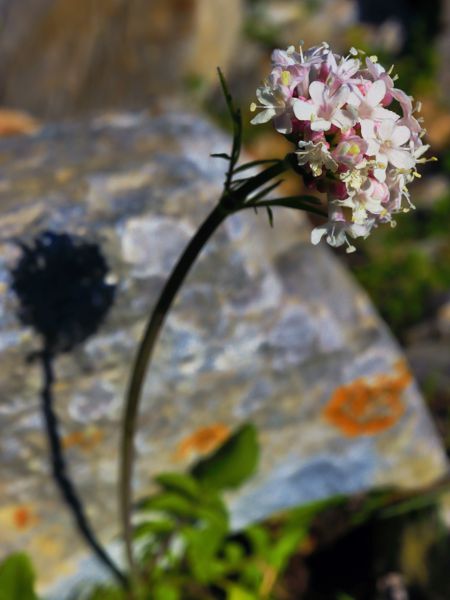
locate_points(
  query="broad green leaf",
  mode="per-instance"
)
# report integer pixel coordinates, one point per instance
(259, 539)
(179, 482)
(203, 567)
(104, 593)
(203, 543)
(234, 553)
(171, 503)
(232, 464)
(251, 573)
(239, 593)
(165, 591)
(17, 578)
(286, 547)
(215, 516)
(152, 528)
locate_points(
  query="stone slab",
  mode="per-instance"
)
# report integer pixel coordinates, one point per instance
(267, 329)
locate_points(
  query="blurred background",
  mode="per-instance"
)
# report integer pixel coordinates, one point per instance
(61, 59)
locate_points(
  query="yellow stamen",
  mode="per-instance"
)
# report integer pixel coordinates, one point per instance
(285, 77)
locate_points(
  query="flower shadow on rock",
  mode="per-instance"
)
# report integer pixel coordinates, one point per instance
(61, 282)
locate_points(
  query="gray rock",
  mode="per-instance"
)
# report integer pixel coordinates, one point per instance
(267, 329)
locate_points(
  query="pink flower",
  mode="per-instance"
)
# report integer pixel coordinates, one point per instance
(385, 142)
(324, 110)
(378, 73)
(275, 102)
(341, 72)
(316, 156)
(350, 151)
(368, 106)
(351, 146)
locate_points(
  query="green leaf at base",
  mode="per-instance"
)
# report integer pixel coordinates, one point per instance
(232, 464)
(17, 578)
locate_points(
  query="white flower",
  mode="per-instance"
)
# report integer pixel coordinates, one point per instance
(275, 106)
(355, 178)
(337, 228)
(272, 101)
(371, 198)
(325, 108)
(336, 235)
(385, 143)
(350, 151)
(285, 58)
(316, 155)
(342, 72)
(368, 107)
(357, 145)
(377, 72)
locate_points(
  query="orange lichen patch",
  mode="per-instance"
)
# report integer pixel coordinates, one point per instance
(202, 441)
(366, 407)
(16, 122)
(23, 517)
(84, 439)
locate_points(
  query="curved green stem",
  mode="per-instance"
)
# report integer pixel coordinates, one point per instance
(143, 358)
(232, 201)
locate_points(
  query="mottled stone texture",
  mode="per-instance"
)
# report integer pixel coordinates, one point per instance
(267, 329)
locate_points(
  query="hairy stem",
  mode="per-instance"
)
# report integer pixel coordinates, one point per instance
(61, 475)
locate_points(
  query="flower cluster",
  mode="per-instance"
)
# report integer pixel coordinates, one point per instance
(357, 137)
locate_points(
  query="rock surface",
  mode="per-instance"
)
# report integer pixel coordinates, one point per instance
(267, 329)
